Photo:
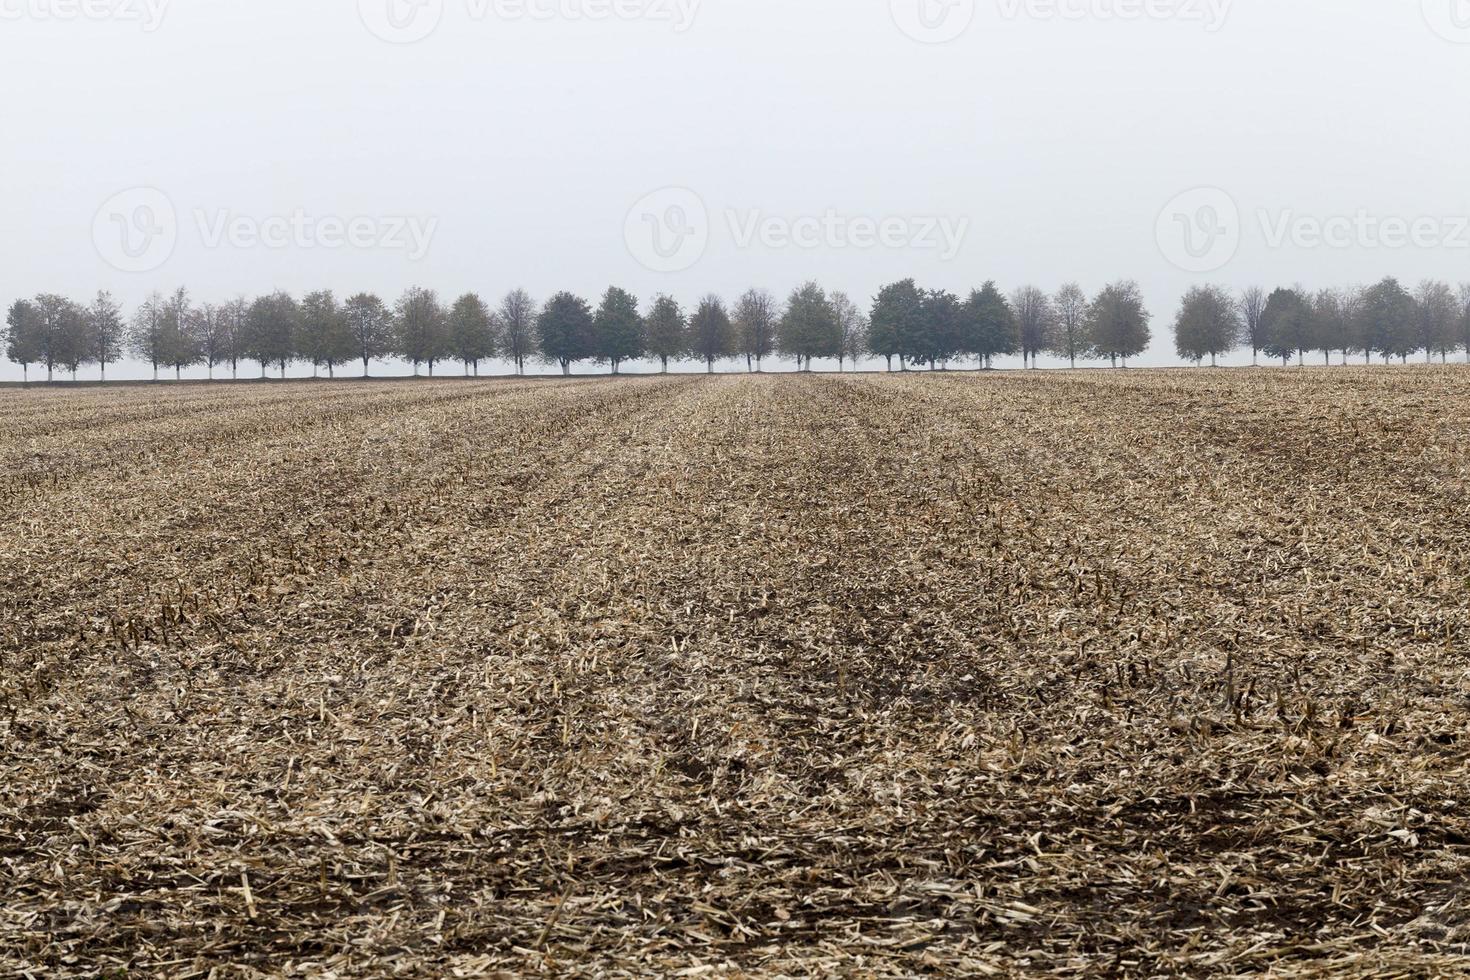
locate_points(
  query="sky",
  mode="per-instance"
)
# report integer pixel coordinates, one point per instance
(698, 146)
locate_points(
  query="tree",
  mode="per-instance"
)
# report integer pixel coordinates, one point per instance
(1386, 311)
(1465, 319)
(1070, 307)
(1332, 326)
(711, 334)
(518, 322)
(1117, 323)
(107, 331)
(55, 334)
(176, 329)
(854, 330)
(71, 336)
(755, 326)
(1437, 319)
(1208, 324)
(211, 334)
(667, 331)
(370, 326)
(564, 331)
(471, 332)
(145, 334)
(420, 329)
(988, 326)
(233, 318)
(324, 336)
(271, 330)
(941, 334)
(1286, 325)
(617, 329)
(894, 321)
(809, 327)
(21, 344)
(1252, 310)
(1035, 321)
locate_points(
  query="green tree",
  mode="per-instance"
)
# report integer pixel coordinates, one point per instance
(21, 344)
(988, 326)
(1117, 323)
(1385, 319)
(370, 327)
(668, 331)
(564, 331)
(1286, 325)
(617, 329)
(711, 334)
(1208, 323)
(271, 330)
(942, 329)
(420, 329)
(809, 328)
(895, 321)
(324, 337)
(471, 332)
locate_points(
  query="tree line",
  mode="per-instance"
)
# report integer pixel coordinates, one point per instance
(1383, 320)
(905, 325)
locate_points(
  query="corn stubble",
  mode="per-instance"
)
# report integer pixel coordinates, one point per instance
(1086, 674)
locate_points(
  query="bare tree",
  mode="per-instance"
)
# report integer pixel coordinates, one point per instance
(1069, 339)
(232, 332)
(145, 336)
(1036, 320)
(1437, 315)
(1252, 315)
(108, 332)
(518, 328)
(755, 326)
(210, 332)
(854, 330)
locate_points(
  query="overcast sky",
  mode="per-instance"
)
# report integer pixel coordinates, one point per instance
(689, 146)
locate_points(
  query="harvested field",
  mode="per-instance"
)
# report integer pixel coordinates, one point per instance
(1132, 673)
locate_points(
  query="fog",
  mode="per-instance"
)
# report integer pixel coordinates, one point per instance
(695, 146)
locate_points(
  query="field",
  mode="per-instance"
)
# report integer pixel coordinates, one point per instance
(1100, 673)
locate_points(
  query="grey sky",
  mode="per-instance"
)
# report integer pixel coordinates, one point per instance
(1053, 134)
